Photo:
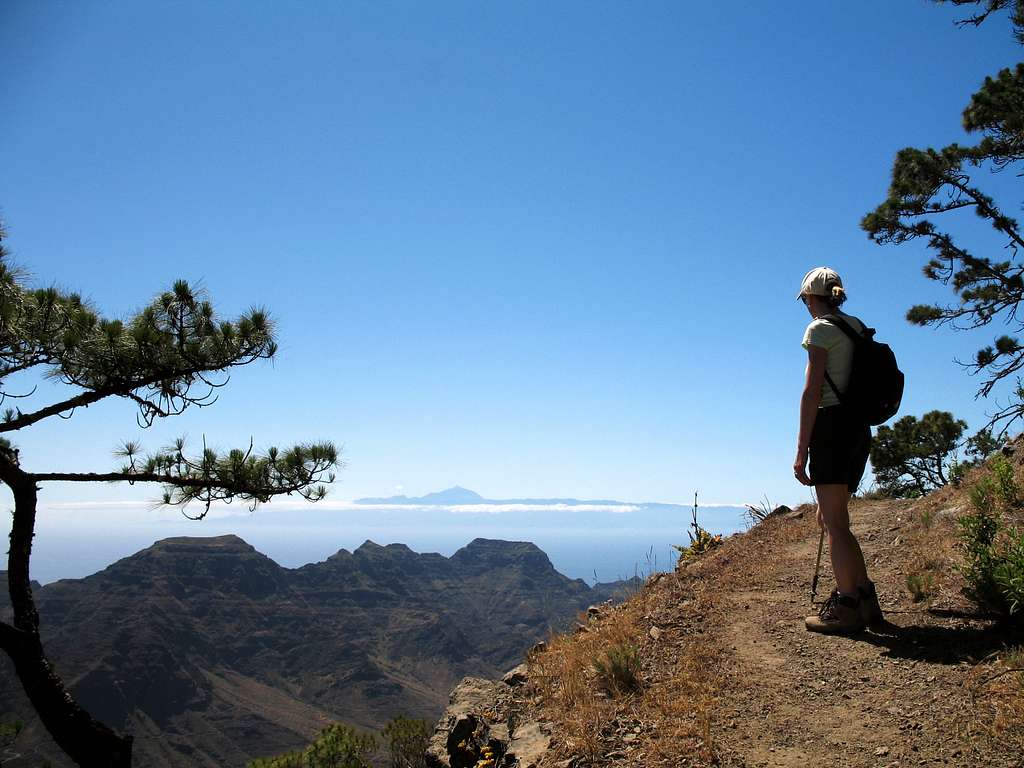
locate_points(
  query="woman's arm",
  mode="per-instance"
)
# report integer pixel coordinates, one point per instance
(817, 359)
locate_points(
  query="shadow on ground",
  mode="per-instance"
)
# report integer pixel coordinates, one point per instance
(943, 644)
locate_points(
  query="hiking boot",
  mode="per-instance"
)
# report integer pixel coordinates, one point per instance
(870, 610)
(840, 615)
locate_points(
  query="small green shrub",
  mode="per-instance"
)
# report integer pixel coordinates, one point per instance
(978, 533)
(701, 540)
(983, 496)
(1008, 573)
(993, 554)
(407, 742)
(618, 669)
(337, 746)
(1006, 488)
(958, 470)
(920, 584)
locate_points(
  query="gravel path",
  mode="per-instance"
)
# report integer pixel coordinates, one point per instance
(900, 697)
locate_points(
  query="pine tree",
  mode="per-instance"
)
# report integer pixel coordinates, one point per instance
(172, 355)
(929, 185)
(911, 457)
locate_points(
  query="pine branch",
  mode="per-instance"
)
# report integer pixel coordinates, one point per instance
(25, 365)
(154, 359)
(25, 419)
(215, 477)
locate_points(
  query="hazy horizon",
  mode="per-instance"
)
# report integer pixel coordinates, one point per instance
(609, 541)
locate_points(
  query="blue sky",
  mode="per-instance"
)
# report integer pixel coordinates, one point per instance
(535, 249)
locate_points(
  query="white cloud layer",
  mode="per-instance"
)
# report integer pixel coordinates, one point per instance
(241, 509)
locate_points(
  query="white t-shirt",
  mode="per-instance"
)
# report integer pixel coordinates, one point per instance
(822, 333)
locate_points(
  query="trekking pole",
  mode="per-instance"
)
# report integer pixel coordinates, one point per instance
(817, 566)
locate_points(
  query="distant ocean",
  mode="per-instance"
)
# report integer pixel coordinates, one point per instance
(587, 540)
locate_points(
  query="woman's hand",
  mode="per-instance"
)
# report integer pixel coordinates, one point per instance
(800, 466)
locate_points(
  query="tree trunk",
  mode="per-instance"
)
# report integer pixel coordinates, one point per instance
(87, 741)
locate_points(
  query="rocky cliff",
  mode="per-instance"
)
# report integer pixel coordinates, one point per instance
(211, 653)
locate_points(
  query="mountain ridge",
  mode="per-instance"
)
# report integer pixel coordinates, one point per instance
(208, 630)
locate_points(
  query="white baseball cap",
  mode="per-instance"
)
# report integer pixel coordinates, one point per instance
(819, 282)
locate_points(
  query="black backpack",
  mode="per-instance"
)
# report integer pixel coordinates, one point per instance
(875, 388)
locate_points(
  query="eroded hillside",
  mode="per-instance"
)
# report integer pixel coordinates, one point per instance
(210, 653)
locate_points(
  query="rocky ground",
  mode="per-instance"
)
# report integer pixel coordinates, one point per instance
(729, 675)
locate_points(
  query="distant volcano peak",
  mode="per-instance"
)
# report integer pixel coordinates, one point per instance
(454, 495)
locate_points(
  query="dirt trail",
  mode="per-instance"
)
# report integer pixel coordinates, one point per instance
(900, 697)
(725, 674)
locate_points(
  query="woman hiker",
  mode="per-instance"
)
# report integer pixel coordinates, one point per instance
(837, 446)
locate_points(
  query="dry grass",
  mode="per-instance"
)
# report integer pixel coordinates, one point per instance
(564, 683)
(997, 691)
(667, 720)
(671, 718)
(683, 709)
(952, 496)
(755, 560)
(931, 545)
(618, 670)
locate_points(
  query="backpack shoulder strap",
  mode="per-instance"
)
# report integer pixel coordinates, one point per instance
(845, 327)
(835, 389)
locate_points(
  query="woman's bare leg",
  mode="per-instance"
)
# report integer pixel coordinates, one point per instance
(847, 559)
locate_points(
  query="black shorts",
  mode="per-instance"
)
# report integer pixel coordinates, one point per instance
(839, 448)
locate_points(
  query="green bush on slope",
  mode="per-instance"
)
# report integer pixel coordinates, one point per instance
(993, 550)
(337, 746)
(618, 669)
(407, 742)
